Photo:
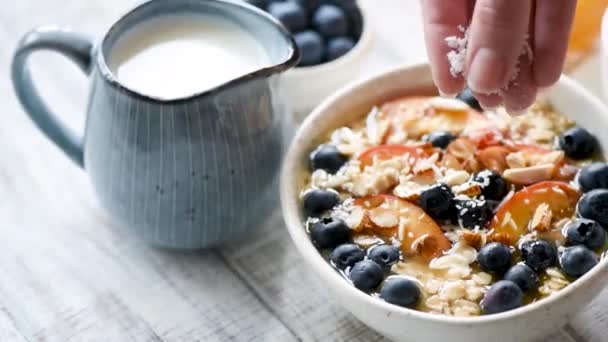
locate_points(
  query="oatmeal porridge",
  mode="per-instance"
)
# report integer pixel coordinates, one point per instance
(436, 205)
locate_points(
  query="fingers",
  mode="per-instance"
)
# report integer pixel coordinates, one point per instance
(497, 33)
(489, 101)
(441, 20)
(551, 30)
(521, 92)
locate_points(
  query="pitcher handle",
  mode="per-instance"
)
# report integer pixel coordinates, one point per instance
(76, 47)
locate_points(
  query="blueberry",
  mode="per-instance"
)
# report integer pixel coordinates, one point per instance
(522, 275)
(353, 13)
(493, 186)
(366, 275)
(310, 45)
(400, 291)
(347, 255)
(577, 260)
(317, 201)
(594, 206)
(290, 14)
(308, 5)
(338, 47)
(384, 255)
(329, 233)
(503, 296)
(472, 213)
(437, 201)
(330, 21)
(578, 143)
(585, 232)
(593, 176)
(440, 139)
(328, 158)
(259, 3)
(494, 258)
(467, 97)
(538, 254)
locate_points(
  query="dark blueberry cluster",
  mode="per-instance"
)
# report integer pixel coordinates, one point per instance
(368, 271)
(323, 30)
(584, 235)
(471, 213)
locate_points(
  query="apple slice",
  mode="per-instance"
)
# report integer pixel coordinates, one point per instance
(419, 234)
(513, 216)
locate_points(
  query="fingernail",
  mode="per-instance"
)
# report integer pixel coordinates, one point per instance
(487, 71)
(447, 95)
(516, 112)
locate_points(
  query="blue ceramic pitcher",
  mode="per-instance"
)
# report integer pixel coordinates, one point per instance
(184, 173)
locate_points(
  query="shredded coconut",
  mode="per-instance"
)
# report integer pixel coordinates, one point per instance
(457, 56)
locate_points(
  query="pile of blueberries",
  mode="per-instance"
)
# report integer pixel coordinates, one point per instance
(323, 30)
(367, 269)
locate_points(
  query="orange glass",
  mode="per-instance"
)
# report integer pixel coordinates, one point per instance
(585, 30)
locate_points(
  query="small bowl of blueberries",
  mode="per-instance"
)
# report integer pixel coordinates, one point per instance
(332, 36)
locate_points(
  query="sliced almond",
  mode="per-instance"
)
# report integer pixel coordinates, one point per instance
(366, 241)
(494, 158)
(502, 238)
(516, 160)
(426, 177)
(554, 157)
(471, 165)
(469, 189)
(450, 162)
(450, 105)
(409, 191)
(462, 148)
(541, 221)
(425, 246)
(529, 175)
(355, 219)
(472, 239)
(423, 165)
(384, 217)
(455, 177)
(566, 172)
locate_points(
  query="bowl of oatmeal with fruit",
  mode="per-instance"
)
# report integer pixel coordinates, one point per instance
(429, 217)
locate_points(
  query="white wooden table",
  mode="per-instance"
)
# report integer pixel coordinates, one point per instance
(69, 274)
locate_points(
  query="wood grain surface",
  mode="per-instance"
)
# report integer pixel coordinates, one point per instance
(67, 273)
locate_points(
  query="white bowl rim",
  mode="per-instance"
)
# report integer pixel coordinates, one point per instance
(290, 206)
(360, 46)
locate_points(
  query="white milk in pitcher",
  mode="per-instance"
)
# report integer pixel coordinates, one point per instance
(174, 56)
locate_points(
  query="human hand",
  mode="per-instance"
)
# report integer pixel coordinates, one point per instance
(497, 65)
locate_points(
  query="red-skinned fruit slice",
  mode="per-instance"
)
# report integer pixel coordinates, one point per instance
(419, 115)
(422, 238)
(513, 216)
(384, 152)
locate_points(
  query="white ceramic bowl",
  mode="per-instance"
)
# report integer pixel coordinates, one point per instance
(306, 87)
(526, 323)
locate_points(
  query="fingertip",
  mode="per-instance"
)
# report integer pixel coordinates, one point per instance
(489, 101)
(519, 99)
(449, 87)
(547, 69)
